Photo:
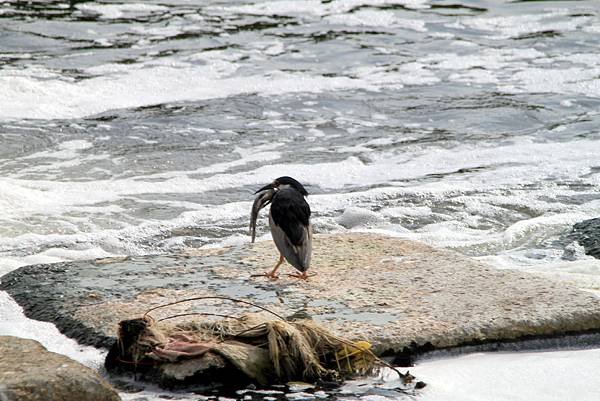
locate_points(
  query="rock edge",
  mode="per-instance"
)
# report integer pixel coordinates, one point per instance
(396, 293)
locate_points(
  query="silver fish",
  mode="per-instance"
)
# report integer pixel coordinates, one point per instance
(262, 199)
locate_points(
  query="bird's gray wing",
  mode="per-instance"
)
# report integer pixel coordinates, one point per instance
(297, 255)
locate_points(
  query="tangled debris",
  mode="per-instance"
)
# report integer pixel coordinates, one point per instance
(262, 348)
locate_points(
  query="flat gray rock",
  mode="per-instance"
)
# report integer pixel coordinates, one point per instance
(29, 372)
(393, 292)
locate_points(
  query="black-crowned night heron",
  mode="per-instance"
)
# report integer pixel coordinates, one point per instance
(289, 220)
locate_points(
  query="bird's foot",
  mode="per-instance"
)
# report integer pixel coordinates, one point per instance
(302, 276)
(270, 275)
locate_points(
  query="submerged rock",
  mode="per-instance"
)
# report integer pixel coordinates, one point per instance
(400, 295)
(29, 372)
(357, 217)
(587, 234)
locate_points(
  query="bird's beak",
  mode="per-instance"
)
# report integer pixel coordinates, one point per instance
(270, 186)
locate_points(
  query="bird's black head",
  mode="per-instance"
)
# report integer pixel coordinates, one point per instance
(292, 183)
(285, 180)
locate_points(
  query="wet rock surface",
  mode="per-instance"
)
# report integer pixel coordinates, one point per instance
(587, 234)
(29, 372)
(398, 294)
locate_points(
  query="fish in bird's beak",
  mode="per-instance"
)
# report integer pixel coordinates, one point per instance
(264, 197)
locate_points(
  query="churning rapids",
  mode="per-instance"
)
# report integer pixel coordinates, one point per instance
(131, 128)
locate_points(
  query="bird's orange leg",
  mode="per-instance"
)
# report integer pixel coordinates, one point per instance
(273, 273)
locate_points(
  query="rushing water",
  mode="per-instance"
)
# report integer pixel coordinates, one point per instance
(140, 128)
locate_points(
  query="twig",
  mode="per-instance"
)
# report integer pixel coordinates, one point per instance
(215, 297)
(199, 314)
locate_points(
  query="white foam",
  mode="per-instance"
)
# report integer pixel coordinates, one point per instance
(455, 234)
(587, 59)
(592, 29)
(475, 76)
(113, 11)
(61, 254)
(414, 73)
(247, 157)
(583, 273)
(523, 376)
(509, 165)
(528, 231)
(491, 59)
(169, 80)
(281, 7)
(442, 35)
(14, 323)
(504, 167)
(463, 43)
(160, 31)
(574, 80)
(376, 18)
(315, 7)
(36, 92)
(67, 153)
(407, 211)
(58, 166)
(8, 264)
(520, 70)
(356, 216)
(504, 27)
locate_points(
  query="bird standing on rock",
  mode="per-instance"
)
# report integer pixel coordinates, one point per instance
(289, 220)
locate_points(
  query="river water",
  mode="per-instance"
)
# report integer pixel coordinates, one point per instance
(130, 128)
